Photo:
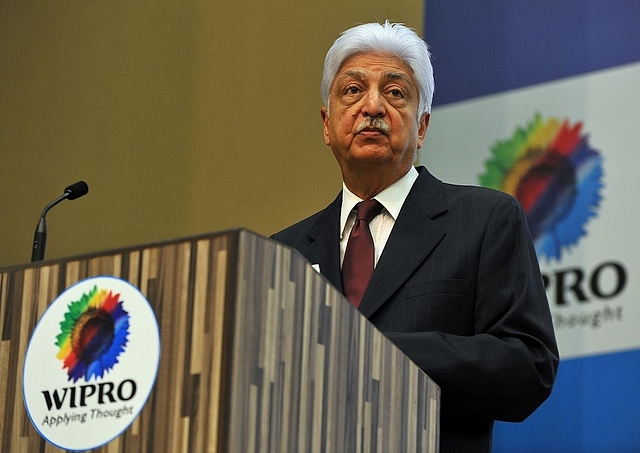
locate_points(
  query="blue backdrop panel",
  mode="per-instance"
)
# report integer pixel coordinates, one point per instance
(577, 417)
(491, 46)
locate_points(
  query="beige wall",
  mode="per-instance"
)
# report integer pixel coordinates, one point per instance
(183, 117)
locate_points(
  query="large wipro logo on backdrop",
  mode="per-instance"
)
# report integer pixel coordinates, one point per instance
(550, 167)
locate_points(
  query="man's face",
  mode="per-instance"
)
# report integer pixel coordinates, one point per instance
(372, 120)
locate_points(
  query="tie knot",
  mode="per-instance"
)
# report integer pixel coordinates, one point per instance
(368, 209)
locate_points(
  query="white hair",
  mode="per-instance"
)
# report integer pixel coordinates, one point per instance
(392, 39)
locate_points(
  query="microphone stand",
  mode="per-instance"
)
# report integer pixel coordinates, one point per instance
(40, 237)
(72, 192)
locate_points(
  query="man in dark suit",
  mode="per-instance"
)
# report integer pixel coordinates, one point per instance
(456, 283)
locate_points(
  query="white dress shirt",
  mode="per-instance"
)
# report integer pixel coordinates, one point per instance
(392, 198)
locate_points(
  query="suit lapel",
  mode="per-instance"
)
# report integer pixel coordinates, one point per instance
(412, 239)
(324, 239)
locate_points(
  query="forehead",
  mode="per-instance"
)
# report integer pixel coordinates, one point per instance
(375, 66)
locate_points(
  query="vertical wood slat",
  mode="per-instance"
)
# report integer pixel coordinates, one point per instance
(259, 353)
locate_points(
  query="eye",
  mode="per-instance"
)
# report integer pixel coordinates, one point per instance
(352, 89)
(396, 93)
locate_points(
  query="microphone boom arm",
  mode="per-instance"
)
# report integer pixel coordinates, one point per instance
(72, 192)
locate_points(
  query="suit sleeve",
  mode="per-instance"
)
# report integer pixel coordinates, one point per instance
(507, 368)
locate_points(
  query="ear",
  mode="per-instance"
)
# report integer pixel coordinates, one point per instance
(423, 125)
(324, 114)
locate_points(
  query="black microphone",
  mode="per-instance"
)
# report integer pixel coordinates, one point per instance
(72, 192)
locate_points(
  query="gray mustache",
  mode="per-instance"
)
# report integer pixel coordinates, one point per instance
(373, 123)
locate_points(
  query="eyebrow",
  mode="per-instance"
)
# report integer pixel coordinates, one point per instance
(397, 76)
(355, 73)
(361, 75)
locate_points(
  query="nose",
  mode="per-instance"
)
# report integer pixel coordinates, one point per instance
(373, 104)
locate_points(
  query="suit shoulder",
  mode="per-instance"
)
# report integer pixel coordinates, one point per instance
(476, 196)
(301, 234)
(294, 234)
(479, 193)
(483, 201)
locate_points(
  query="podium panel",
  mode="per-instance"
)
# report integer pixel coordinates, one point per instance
(259, 353)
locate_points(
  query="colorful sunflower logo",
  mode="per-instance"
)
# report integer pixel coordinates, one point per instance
(93, 334)
(554, 173)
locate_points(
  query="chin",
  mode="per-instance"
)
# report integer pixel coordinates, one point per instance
(371, 154)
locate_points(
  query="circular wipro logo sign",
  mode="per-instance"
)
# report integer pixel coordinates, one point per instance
(91, 363)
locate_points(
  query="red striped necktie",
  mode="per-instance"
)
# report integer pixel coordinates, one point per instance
(357, 266)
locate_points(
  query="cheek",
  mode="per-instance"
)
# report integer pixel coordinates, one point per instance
(343, 122)
(332, 130)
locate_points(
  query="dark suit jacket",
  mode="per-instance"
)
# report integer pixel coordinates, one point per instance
(458, 289)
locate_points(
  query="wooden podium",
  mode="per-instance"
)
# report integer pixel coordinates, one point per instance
(259, 353)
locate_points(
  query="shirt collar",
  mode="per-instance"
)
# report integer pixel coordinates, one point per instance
(392, 198)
